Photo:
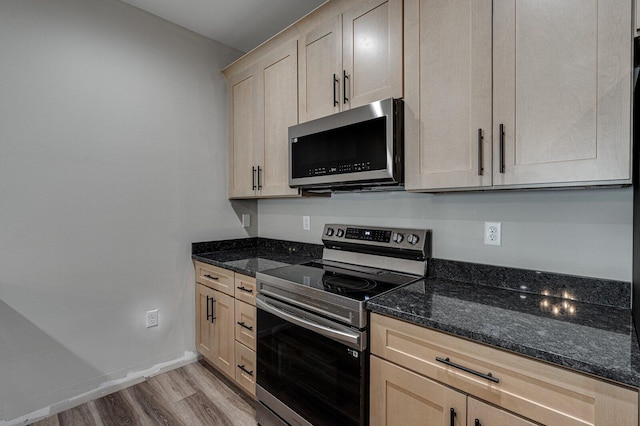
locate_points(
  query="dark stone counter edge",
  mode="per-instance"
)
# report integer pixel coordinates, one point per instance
(224, 265)
(623, 377)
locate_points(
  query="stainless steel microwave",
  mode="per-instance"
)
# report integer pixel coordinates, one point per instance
(358, 148)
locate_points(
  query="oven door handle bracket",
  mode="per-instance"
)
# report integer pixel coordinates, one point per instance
(332, 333)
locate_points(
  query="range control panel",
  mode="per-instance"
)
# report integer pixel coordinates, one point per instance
(370, 236)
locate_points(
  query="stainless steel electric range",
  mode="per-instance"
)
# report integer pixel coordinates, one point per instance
(312, 357)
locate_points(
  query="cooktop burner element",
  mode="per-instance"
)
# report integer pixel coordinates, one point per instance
(348, 284)
(358, 263)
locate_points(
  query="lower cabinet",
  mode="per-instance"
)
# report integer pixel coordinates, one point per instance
(226, 325)
(416, 379)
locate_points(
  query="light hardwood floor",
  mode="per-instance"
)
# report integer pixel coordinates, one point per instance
(191, 395)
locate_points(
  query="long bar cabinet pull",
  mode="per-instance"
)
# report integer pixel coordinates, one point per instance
(241, 367)
(259, 184)
(501, 148)
(211, 309)
(211, 277)
(477, 423)
(480, 168)
(453, 417)
(335, 98)
(487, 376)
(345, 77)
(253, 178)
(246, 290)
(243, 325)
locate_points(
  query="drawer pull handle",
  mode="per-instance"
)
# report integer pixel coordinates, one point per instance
(241, 367)
(211, 277)
(487, 376)
(243, 288)
(452, 417)
(243, 325)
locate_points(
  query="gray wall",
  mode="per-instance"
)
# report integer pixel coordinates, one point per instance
(112, 161)
(583, 232)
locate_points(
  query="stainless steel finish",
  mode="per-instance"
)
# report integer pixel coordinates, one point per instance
(287, 414)
(343, 334)
(406, 266)
(371, 111)
(344, 310)
(265, 417)
(422, 248)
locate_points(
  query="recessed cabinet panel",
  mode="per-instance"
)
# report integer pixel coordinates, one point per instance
(401, 397)
(280, 75)
(372, 52)
(245, 324)
(562, 91)
(481, 414)
(448, 96)
(320, 62)
(243, 134)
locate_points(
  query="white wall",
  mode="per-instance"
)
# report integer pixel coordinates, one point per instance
(582, 232)
(112, 161)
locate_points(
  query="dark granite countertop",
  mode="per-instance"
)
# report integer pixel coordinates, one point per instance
(586, 337)
(250, 255)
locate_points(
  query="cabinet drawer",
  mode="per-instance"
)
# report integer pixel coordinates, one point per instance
(216, 278)
(246, 368)
(246, 324)
(533, 389)
(245, 289)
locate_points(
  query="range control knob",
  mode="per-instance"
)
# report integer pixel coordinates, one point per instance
(413, 239)
(329, 232)
(340, 233)
(398, 237)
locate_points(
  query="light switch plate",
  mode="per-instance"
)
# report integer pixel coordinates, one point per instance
(246, 220)
(306, 223)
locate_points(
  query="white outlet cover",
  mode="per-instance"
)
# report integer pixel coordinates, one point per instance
(493, 233)
(152, 318)
(246, 220)
(306, 223)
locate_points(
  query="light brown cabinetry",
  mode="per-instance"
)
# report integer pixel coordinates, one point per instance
(560, 95)
(351, 59)
(226, 326)
(263, 98)
(534, 390)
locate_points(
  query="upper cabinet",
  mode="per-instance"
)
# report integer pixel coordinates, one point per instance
(351, 59)
(556, 112)
(263, 103)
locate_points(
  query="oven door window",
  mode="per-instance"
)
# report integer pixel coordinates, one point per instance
(320, 379)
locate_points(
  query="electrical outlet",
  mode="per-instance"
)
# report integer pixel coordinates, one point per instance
(246, 220)
(306, 223)
(152, 318)
(492, 233)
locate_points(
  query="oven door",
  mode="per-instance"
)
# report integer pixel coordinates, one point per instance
(310, 370)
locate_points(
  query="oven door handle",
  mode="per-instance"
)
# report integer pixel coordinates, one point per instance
(332, 333)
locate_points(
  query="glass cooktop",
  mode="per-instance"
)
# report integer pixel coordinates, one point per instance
(352, 281)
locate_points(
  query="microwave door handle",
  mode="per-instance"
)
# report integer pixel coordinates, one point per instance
(332, 333)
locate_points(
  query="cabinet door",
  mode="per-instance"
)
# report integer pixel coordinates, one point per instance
(243, 104)
(320, 61)
(481, 414)
(204, 324)
(448, 96)
(402, 397)
(278, 111)
(372, 52)
(562, 91)
(223, 344)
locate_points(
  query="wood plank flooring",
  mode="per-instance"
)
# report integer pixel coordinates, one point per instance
(191, 395)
